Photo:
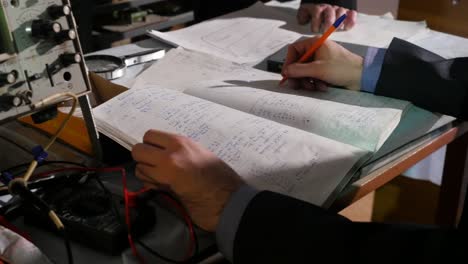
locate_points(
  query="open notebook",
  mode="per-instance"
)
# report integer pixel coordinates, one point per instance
(298, 143)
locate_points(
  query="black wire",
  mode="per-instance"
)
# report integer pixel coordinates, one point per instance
(157, 254)
(44, 163)
(26, 164)
(67, 246)
(109, 194)
(39, 204)
(154, 252)
(181, 205)
(146, 247)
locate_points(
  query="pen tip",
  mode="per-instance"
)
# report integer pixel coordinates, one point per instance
(339, 21)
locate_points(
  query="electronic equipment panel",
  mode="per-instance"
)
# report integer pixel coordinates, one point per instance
(40, 54)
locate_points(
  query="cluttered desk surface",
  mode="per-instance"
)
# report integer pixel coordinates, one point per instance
(258, 19)
(247, 39)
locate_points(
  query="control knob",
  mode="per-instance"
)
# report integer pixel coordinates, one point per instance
(70, 58)
(8, 78)
(58, 11)
(45, 28)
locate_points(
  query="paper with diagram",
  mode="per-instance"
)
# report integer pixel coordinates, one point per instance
(242, 40)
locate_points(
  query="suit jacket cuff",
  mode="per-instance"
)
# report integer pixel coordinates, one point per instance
(350, 4)
(230, 219)
(372, 67)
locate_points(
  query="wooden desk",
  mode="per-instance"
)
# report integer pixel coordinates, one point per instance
(455, 177)
(443, 15)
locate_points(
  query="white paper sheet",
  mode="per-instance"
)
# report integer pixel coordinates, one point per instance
(289, 4)
(378, 31)
(242, 40)
(180, 69)
(445, 45)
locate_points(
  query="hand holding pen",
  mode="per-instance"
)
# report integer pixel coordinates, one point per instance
(318, 59)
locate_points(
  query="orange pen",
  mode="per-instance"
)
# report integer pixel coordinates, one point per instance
(318, 43)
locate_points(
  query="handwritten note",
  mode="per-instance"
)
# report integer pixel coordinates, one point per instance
(364, 127)
(360, 119)
(266, 154)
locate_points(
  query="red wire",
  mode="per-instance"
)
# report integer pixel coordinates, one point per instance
(5, 223)
(128, 220)
(129, 202)
(188, 221)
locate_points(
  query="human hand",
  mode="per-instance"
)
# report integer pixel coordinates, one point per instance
(202, 181)
(332, 64)
(324, 15)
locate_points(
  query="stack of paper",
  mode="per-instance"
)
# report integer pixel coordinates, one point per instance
(250, 35)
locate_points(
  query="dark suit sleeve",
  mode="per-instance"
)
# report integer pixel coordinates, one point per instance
(350, 4)
(279, 229)
(425, 79)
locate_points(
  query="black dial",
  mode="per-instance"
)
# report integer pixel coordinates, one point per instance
(70, 58)
(45, 28)
(65, 35)
(58, 11)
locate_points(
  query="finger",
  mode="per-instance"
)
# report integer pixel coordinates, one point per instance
(350, 20)
(328, 17)
(147, 154)
(294, 84)
(305, 70)
(316, 17)
(160, 139)
(338, 13)
(292, 57)
(144, 178)
(296, 50)
(152, 174)
(150, 185)
(146, 171)
(321, 85)
(303, 15)
(307, 84)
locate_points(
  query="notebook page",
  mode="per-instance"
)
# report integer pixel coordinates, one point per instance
(266, 154)
(364, 127)
(360, 119)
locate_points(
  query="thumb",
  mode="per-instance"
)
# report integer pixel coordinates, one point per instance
(303, 16)
(313, 69)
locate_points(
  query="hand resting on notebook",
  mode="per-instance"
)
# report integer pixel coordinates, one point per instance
(202, 181)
